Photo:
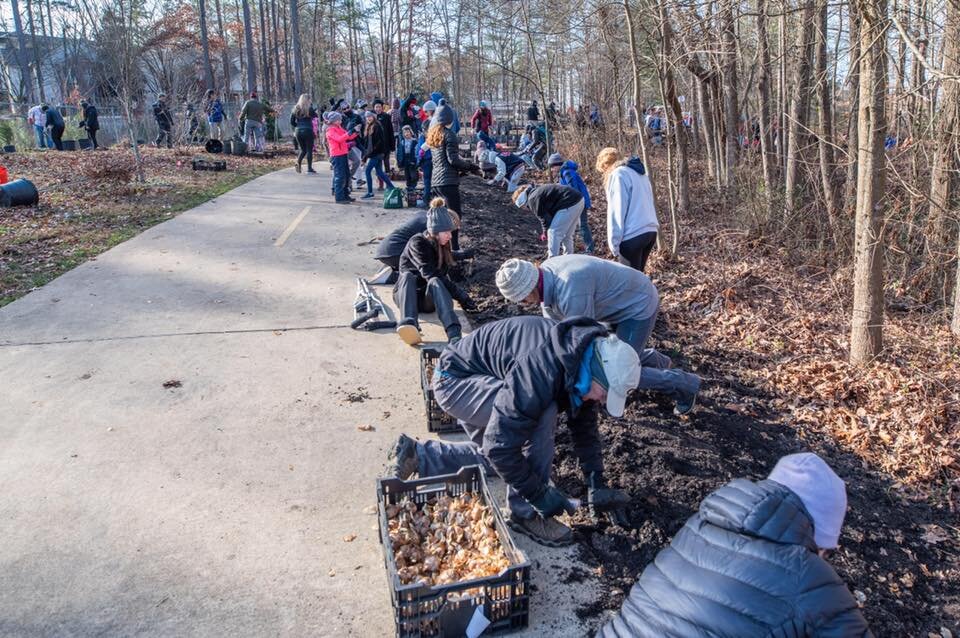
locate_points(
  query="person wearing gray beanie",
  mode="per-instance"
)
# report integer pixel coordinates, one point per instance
(423, 282)
(555, 159)
(753, 550)
(443, 115)
(619, 296)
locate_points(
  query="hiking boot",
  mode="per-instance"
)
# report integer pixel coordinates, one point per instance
(409, 333)
(685, 405)
(403, 457)
(299, 168)
(545, 531)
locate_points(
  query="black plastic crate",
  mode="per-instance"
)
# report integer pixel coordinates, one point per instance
(422, 611)
(437, 419)
(209, 165)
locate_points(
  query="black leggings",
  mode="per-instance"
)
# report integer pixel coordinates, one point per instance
(451, 194)
(634, 251)
(92, 135)
(305, 143)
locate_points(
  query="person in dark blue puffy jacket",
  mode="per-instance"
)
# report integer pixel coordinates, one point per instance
(751, 564)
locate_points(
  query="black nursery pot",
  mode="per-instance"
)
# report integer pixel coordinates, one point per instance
(69, 145)
(9, 148)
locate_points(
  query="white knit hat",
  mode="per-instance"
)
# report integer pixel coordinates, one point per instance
(822, 492)
(516, 279)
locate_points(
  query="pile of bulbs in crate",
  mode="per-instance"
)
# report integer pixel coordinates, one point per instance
(448, 539)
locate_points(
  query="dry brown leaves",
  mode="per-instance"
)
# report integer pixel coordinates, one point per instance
(786, 329)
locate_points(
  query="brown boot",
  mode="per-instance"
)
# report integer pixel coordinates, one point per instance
(546, 531)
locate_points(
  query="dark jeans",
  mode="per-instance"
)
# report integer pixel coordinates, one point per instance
(451, 195)
(634, 251)
(427, 175)
(412, 301)
(305, 144)
(341, 175)
(375, 163)
(56, 132)
(164, 134)
(412, 175)
(585, 233)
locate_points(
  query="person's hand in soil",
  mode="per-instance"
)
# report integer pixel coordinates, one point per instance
(602, 499)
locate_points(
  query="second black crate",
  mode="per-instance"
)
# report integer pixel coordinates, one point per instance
(437, 419)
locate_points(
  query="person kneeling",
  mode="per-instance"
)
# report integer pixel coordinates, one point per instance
(423, 284)
(751, 563)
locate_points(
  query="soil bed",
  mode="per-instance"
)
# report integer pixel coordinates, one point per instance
(898, 554)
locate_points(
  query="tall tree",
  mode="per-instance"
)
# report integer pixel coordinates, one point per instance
(225, 54)
(763, 89)
(799, 108)
(205, 45)
(37, 62)
(297, 55)
(731, 110)
(248, 45)
(866, 329)
(26, 82)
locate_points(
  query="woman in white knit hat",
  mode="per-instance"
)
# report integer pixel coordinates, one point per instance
(751, 563)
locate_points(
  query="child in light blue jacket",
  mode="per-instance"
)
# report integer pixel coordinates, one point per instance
(565, 172)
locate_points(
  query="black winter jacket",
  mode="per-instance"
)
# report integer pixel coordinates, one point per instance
(394, 243)
(386, 122)
(447, 161)
(420, 256)
(545, 201)
(538, 361)
(303, 122)
(91, 119)
(162, 115)
(375, 141)
(746, 566)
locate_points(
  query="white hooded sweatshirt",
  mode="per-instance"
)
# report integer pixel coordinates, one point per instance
(631, 210)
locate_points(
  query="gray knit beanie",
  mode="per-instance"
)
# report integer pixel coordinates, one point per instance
(444, 115)
(429, 105)
(369, 114)
(517, 278)
(332, 116)
(555, 159)
(439, 220)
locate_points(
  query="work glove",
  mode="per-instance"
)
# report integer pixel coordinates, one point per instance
(550, 501)
(605, 500)
(468, 304)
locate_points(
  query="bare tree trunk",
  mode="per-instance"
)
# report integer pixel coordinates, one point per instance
(635, 62)
(225, 55)
(205, 45)
(248, 45)
(853, 130)
(277, 70)
(763, 88)
(731, 112)
(945, 159)
(799, 108)
(866, 329)
(36, 52)
(826, 114)
(266, 84)
(679, 135)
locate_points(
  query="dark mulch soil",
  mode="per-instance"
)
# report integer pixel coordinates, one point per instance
(907, 577)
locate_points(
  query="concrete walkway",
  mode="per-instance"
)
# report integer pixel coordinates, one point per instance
(219, 506)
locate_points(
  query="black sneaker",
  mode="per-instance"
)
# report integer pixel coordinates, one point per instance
(403, 457)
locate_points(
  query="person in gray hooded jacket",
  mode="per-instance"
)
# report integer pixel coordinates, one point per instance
(573, 285)
(750, 564)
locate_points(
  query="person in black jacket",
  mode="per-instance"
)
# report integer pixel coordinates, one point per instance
(447, 163)
(533, 112)
(161, 113)
(750, 563)
(376, 145)
(423, 284)
(56, 125)
(386, 123)
(301, 118)
(558, 208)
(90, 122)
(391, 248)
(505, 383)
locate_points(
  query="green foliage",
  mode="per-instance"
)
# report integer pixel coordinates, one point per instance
(325, 81)
(6, 132)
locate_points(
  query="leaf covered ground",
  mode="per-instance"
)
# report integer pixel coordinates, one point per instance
(90, 202)
(768, 335)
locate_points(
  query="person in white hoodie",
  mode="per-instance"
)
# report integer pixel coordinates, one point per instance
(631, 212)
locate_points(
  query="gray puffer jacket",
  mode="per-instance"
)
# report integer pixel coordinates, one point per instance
(744, 566)
(447, 161)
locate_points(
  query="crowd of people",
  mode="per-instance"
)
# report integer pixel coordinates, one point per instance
(753, 560)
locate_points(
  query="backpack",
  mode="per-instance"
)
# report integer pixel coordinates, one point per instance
(393, 198)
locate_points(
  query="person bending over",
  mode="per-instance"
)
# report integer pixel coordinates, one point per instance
(558, 208)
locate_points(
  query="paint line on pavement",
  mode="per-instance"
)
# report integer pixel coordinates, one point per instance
(175, 334)
(281, 240)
